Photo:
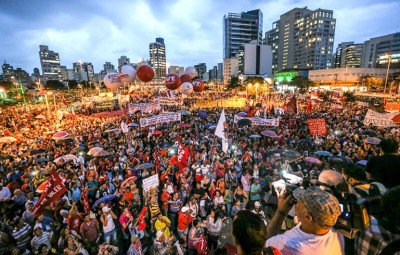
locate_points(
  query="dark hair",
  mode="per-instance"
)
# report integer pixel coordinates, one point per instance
(390, 210)
(250, 232)
(389, 146)
(354, 171)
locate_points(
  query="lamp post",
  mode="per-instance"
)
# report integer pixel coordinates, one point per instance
(387, 74)
(47, 104)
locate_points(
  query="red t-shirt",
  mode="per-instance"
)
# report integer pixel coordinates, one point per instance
(184, 221)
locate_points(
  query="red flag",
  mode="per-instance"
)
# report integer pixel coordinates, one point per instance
(183, 155)
(291, 106)
(309, 107)
(84, 196)
(157, 164)
(54, 190)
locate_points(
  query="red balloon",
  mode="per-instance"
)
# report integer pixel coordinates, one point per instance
(172, 81)
(186, 78)
(198, 85)
(145, 73)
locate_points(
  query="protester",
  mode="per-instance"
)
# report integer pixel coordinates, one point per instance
(317, 212)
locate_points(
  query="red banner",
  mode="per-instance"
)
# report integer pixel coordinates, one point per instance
(84, 196)
(157, 164)
(317, 126)
(54, 190)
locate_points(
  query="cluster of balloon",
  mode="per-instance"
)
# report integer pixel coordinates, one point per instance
(172, 81)
(198, 85)
(112, 81)
(186, 88)
(127, 73)
(190, 70)
(185, 78)
(145, 73)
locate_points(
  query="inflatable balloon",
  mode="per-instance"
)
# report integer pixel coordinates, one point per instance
(145, 73)
(172, 81)
(112, 81)
(127, 74)
(186, 88)
(198, 85)
(191, 71)
(186, 78)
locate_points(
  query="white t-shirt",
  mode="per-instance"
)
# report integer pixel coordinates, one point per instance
(295, 241)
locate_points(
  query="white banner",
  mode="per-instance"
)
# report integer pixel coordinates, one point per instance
(158, 119)
(144, 107)
(380, 119)
(151, 182)
(255, 121)
(168, 101)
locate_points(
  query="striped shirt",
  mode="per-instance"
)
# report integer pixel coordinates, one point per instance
(175, 206)
(22, 235)
(43, 239)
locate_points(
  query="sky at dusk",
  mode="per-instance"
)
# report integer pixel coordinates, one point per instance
(97, 31)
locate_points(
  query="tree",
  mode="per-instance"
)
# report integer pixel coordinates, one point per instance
(54, 85)
(302, 83)
(233, 83)
(349, 96)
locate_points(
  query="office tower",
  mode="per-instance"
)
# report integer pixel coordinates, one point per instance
(123, 60)
(241, 28)
(64, 73)
(353, 55)
(303, 39)
(178, 70)
(231, 67)
(378, 50)
(8, 70)
(83, 71)
(255, 59)
(50, 63)
(36, 71)
(157, 58)
(339, 55)
(201, 69)
(212, 74)
(107, 67)
(220, 75)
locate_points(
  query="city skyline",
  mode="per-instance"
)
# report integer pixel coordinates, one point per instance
(98, 32)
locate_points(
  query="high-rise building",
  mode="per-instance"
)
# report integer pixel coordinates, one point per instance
(8, 70)
(178, 70)
(220, 75)
(50, 62)
(353, 55)
(108, 67)
(123, 60)
(231, 67)
(378, 50)
(212, 74)
(83, 71)
(255, 59)
(201, 70)
(302, 38)
(241, 28)
(158, 58)
(339, 55)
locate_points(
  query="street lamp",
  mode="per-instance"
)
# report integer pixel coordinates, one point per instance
(387, 74)
(47, 103)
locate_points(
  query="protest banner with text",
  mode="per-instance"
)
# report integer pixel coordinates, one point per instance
(158, 119)
(317, 126)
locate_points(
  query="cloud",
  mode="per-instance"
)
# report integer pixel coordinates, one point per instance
(100, 31)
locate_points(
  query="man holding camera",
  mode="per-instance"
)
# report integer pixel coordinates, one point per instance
(317, 212)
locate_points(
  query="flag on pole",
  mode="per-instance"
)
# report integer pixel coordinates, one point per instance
(124, 127)
(54, 190)
(84, 196)
(221, 131)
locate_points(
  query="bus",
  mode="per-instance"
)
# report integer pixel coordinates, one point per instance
(388, 103)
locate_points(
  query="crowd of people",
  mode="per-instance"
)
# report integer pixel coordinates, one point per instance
(218, 203)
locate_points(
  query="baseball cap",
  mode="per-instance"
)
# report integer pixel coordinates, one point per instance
(257, 203)
(322, 206)
(106, 209)
(185, 209)
(37, 225)
(159, 234)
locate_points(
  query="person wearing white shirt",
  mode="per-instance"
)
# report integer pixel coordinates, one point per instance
(5, 192)
(317, 211)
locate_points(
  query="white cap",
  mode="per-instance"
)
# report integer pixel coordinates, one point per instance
(106, 209)
(159, 234)
(185, 209)
(257, 203)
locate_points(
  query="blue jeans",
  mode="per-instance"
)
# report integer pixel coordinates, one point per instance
(110, 236)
